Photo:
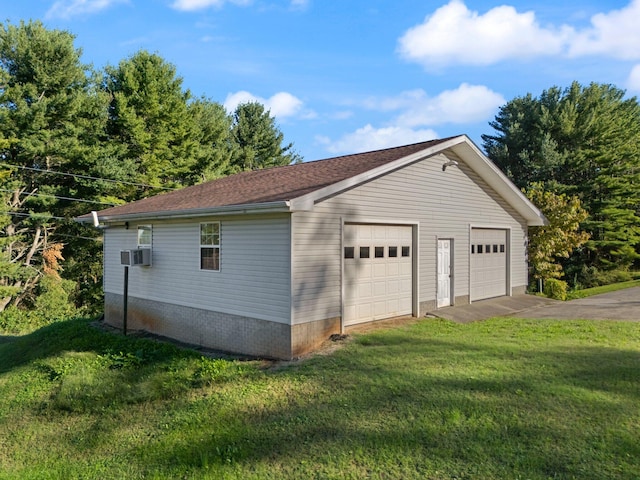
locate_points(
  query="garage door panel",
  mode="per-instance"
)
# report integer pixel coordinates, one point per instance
(365, 290)
(381, 285)
(380, 270)
(488, 263)
(380, 289)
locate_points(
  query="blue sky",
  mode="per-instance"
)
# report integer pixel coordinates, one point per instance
(348, 76)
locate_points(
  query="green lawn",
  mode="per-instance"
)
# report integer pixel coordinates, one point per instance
(588, 292)
(501, 399)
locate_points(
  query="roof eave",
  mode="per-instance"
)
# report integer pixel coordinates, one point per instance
(244, 209)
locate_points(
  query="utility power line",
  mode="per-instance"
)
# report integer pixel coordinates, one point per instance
(47, 195)
(22, 214)
(86, 177)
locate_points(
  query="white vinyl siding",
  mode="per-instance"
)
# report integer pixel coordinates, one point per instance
(444, 203)
(254, 277)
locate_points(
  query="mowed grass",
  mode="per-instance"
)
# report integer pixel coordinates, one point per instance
(501, 399)
(588, 292)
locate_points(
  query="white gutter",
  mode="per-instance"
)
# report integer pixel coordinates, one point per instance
(245, 209)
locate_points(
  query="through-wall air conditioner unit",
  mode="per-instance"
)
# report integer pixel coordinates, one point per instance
(139, 257)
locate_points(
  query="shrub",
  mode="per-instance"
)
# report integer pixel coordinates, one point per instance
(554, 288)
(590, 277)
(51, 305)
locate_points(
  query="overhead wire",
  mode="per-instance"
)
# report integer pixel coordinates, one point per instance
(22, 214)
(86, 177)
(47, 195)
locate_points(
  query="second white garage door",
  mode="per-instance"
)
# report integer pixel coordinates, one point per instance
(377, 272)
(488, 263)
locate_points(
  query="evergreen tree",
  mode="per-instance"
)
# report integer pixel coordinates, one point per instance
(149, 124)
(582, 141)
(212, 130)
(54, 117)
(257, 140)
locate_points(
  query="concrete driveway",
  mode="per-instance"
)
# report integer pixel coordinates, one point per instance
(619, 305)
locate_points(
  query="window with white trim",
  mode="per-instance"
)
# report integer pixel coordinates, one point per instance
(210, 246)
(145, 236)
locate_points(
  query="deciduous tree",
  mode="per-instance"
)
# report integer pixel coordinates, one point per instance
(558, 239)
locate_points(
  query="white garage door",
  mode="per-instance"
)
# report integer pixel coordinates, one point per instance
(377, 272)
(488, 263)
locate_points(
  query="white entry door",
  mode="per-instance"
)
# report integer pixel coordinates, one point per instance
(444, 273)
(378, 272)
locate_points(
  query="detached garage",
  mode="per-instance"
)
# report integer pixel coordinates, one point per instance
(272, 262)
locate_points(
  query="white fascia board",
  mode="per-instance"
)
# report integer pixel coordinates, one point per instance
(497, 180)
(247, 209)
(306, 202)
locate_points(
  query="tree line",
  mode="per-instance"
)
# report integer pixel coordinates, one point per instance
(576, 153)
(74, 139)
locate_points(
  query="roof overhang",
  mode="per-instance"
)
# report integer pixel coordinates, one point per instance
(247, 209)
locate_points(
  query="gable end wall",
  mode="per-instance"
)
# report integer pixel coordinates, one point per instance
(445, 204)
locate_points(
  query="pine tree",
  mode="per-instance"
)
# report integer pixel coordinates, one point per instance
(257, 140)
(150, 124)
(582, 141)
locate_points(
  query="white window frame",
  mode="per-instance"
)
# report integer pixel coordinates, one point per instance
(210, 245)
(141, 230)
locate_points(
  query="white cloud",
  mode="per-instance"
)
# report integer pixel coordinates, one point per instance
(615, 34)
(633, 81)
(280, 105)
(300, 4)
(72, 8)
(465, 104)
(416, 114)
(403, 100)
(193, 5)
(369, 138)
(454, 34)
